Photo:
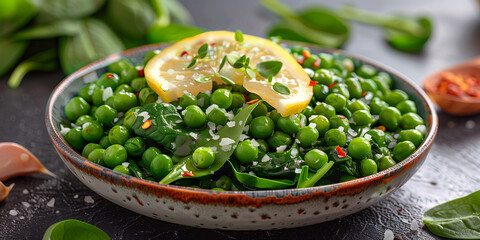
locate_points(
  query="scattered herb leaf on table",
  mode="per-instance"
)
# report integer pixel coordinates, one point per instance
(74, 230)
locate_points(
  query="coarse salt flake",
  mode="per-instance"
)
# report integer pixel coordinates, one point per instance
(13, 212)
(108, 92)
(126, 164)
(88, 199)
(26, 204)
(145, 116)
(231, 124)
(180, 77)
(170, 71)
(51, 203)
(266, 158)
(281, 148)
(226, 141)
(298, 170)
(388, 235)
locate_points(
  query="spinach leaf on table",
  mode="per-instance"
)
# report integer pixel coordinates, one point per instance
(11, 53)
(14, 14)
(131, 18)
(458, 218)
(59, 28)
(259, 182)
(178, 13)
(64, 9)
(74, 230)
(44, 61)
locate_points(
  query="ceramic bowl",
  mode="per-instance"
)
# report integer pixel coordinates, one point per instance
(233, 210)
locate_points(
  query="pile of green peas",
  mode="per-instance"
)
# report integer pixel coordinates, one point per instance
(353, 108)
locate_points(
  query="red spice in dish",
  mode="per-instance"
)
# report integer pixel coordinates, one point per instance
(341, 153)
(457, 84)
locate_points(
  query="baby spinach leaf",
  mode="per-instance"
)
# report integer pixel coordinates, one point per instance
(178, 13)
(305, 181)
(70, 8)
(458, 218)
(55, 29)
(132, 18)
(44, 61)
(258, 182)
(11, 51)
(94, 40)
(222, 151)
(172, 32)
(74, 230)
(407, 42)
(278, 164)
(14, 14)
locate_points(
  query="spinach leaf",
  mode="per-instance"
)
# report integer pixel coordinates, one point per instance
(94, 40)
(305, 181)
(11, 53)
(407, 42)
(74, 230)
(458, 218)
(69, 8)
(131, 18)
(222, 151)
(178, 13)
(172, 32)
(258, 182)
(13, 15)
(44, 61)
(278, 164)
(54, 29)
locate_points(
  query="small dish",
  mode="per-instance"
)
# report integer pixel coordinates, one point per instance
(463, 105)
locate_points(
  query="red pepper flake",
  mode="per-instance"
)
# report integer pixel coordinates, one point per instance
(333, 84)
(140, 72)
(188, 174)
(147, 124)
(312, 83)
(246, 97)
(300, 60)
(306, 54)
(400, 210)
(364, 93)
(86, 130)
(317, 63)
(183, 53)
(109, 76)
(341, 117)
(213, 44)
(341, 153)
(381, 127)
(253, 101)
(138, 94)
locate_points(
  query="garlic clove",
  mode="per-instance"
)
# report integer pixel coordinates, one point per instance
(4, 190)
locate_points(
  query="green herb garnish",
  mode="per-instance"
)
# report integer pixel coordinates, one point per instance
(239, 36)
(202, 53)
(281, 88)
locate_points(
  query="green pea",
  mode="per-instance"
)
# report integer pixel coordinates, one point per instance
(203, 157)
(323, 76)
(104, 142)
(290, 124)
(115, 155)
(237, 100)
(108, 80)
(377, 106)
(368, 167)
(109, 101)
(84, 119)
(187, 99)
(74, 139)
(385, 162)
(366, 71)
(325, 110)
(261, 127)
(411, 121)
(362, 118)
(386, 78)
(338, 121)
(274, 115)
(389, 139)
(97, 156)
(412, 135)
(346, 178)
(106, 115)
(122, 169)
(161, 166)
(194, 117)
(138, 84)
(390, 118)
(176, 159)
(260, 110)
(76, 107)
(368, 85)
(130, 118)
(321, 124)
(119, 66)
(308, 111)
(118, 135)
(222, 98)
(326, 60)
(89, 148)
(354, 87)
(149, 155)
(203, 100)
(123, 101)
(320, 91)
(87, 92)
(147, 95)
(335, 137)
(150, 55)
(336, 100)
(92, 131)
(217, 115)
(97, 97)
(382, 84)
(246, 152)
(253, 96)
(406, 106)
(307, 136)
(135, 146)
(378, 136)
(358, 105)
(402, 150)
(395, 97)
(279, 139)
(359, 148)
(239, 89)
(422, 129)
(315, 159)
(224, 182)
(308, 63)
(340, 88)
(123, 88)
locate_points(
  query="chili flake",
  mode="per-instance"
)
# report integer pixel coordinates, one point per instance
(457, 84)
(317, 63)
(147, 124)
(312, 83)
(183, 53)
(188, 174)
(109, 76)
(306, 54)
(300, 60)
(140, 72)
(246, 97)
(333, 84)
(138, 94)
(364, 93)
(341, 153)
(381, 127)
(341, 117)
(253, 101)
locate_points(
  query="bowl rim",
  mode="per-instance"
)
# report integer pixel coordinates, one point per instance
(94, 169)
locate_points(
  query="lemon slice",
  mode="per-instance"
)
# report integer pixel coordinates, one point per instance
(170, 77)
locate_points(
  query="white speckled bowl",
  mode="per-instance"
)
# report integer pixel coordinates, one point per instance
(233, 210)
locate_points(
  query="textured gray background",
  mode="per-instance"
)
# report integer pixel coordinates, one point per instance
(451, 169)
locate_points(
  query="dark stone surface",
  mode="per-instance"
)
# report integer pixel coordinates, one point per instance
(451, 169)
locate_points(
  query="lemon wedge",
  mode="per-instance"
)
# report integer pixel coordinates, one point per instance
(170, 77)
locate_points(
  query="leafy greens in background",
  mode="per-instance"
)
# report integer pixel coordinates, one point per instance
(84, 31)
(458, 218)
(329, 28)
